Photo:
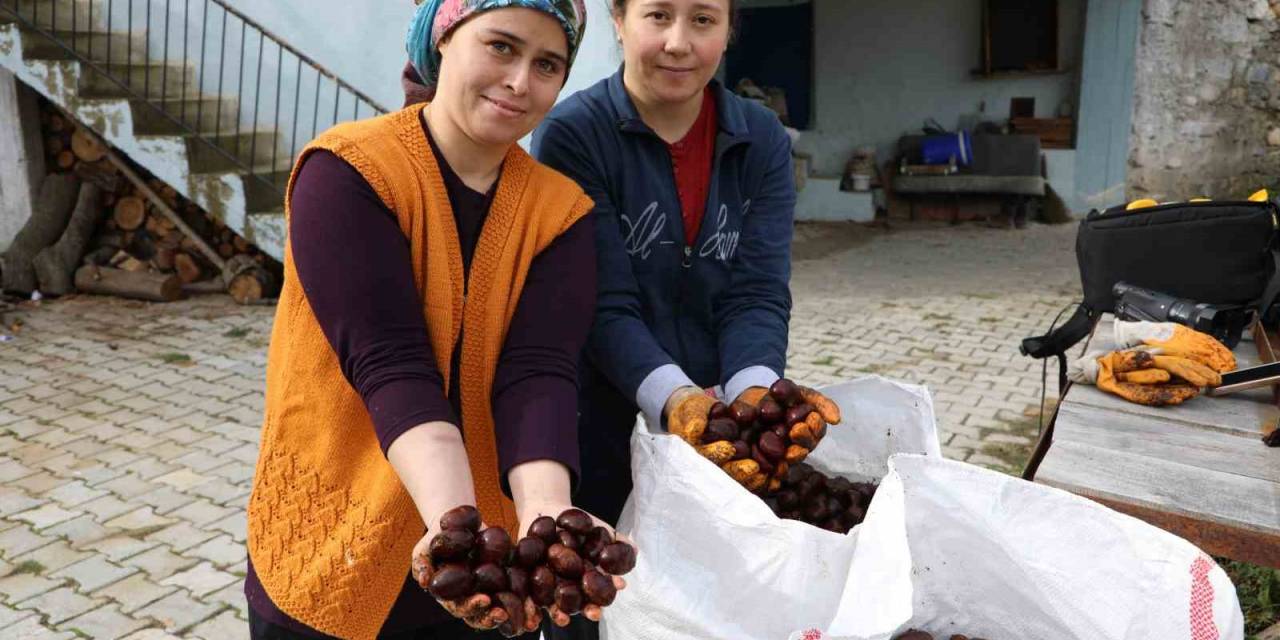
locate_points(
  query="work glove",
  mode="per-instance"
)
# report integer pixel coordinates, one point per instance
(1171, 339)
(1142, 376)
(687, 414)
(804, 434)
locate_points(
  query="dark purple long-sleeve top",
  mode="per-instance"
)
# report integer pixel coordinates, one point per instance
(354, 266)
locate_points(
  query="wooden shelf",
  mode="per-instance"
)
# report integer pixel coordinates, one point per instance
(1025, 73)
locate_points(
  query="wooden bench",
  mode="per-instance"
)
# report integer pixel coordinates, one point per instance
(1199, 470)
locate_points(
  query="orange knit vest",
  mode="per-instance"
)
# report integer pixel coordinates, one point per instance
(330, 526)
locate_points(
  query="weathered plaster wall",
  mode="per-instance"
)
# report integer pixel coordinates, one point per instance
(1206, 117)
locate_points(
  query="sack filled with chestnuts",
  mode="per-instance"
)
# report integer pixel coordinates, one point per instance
(565, 566)
(735, 564)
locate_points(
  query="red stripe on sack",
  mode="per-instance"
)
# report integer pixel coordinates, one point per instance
(1201, 609)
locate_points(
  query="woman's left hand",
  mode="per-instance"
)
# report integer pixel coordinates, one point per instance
(532, 511)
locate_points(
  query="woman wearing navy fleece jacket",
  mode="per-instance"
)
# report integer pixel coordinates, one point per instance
(695, 199)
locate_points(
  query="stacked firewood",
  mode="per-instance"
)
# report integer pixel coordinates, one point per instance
(103, 225)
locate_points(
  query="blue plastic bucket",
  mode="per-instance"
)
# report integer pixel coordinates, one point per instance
(940, 149)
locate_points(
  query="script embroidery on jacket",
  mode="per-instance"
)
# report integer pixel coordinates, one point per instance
(723, 244)
(642, 233)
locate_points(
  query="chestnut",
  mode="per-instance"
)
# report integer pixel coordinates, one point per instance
(618, 558)
(782, 431)
(766, 465)
(598, 588)
(857, 513)
(542, 586)
(718, 410)
(816, 511)
(741, 450)
(798, 413)
(465, 517)
(514, 606)
(518, 581)
(787, 499)
(773, 447)
(915, 635)
(490, 578)
(720, 429)
(752, 435)
(595, 542)
(569, 597)
(576, 521)
(769, 411)
(785, 392)
(743, 414)
(451, 544)
(451, 582)
(569, 539)
(564, 561)
(530, 552)
(495, 544)
(544, 529)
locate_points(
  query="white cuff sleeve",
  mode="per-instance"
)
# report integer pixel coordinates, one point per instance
(657, 387)
(757, 376)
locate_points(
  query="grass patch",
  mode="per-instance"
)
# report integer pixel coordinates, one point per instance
(1259, 591)
(946, 317)
(1015, 456)
(825, 362)
(874, 368)
(238, 332)
(140, 533)
(30, 567)
(181, 359)
(988, 320)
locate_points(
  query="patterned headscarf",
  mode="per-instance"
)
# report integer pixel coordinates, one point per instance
(434, 20)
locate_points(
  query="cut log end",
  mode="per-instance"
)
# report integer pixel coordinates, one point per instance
(188, 269)
(251, 286)
(86, 146)
(130, 212)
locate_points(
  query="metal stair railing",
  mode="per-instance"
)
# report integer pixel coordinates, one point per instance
(308, 78)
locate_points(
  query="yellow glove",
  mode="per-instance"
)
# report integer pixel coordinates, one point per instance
(1139, 376)
(1170, 339)
(687, 411)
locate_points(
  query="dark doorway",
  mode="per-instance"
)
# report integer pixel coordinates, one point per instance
(774, 47)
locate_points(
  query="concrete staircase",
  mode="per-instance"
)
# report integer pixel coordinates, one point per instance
(242, 187)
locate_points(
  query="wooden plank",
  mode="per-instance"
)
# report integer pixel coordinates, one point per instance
(1223, 513)
(1168, 441)
(1248, 412)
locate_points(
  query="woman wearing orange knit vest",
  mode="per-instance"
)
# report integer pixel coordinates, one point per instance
(439, 286)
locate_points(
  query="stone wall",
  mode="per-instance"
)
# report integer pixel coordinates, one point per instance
(1206, 115)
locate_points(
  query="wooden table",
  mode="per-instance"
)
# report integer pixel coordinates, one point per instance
(1199, 470)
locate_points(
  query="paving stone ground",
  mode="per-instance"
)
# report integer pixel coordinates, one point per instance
(129, 431)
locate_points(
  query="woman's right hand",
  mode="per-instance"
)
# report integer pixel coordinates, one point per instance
(478, 610)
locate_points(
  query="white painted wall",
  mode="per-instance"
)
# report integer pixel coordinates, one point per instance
(363, 43)
(21, 154)
(884, 66)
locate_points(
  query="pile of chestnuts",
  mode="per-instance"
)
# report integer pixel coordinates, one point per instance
(566, 561)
